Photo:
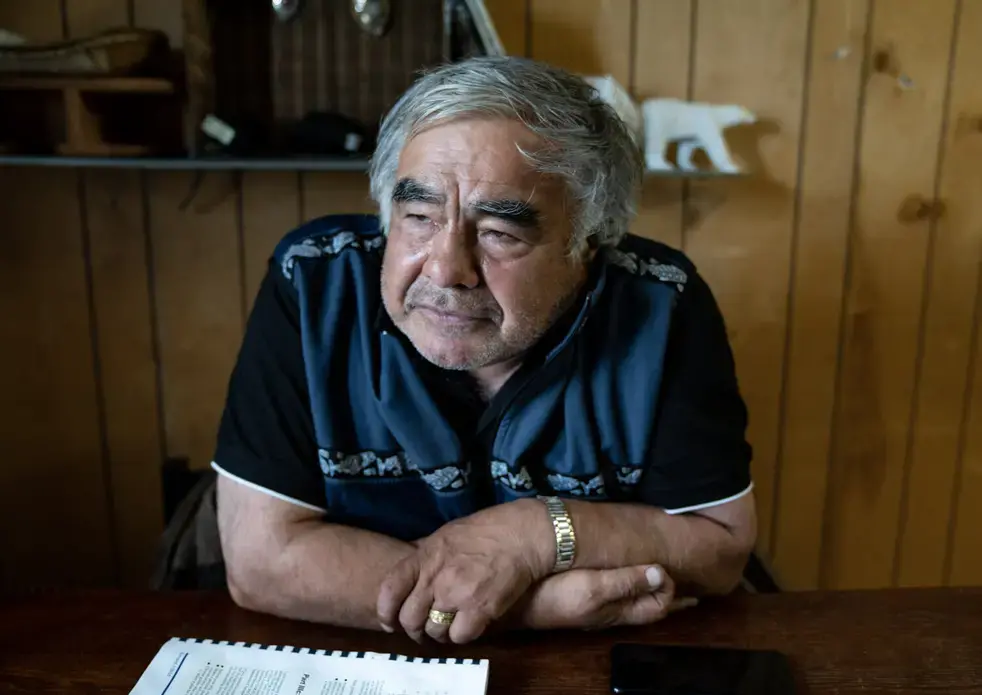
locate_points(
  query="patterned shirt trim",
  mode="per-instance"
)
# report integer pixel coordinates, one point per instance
(520, 481)
(639, 266)
(369, 464)
(328, 244)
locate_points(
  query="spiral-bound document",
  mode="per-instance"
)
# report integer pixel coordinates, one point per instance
(204, 667)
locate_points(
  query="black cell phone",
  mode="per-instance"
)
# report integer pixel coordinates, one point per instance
(649, 669)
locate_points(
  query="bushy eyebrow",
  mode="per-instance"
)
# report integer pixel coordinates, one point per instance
(516, 212)
(412, 191)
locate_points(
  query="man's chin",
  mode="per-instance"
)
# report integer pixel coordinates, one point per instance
(455, 360)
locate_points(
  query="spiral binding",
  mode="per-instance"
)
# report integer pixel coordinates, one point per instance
(323, 652)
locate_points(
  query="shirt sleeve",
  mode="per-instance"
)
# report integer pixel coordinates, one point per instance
(266, 438)
(700, 455)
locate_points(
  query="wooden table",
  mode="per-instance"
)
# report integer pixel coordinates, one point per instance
(915, 641)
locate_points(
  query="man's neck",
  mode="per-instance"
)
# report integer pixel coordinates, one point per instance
(491, 378)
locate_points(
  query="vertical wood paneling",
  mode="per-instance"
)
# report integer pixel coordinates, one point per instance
(113, 218)
(878, 454)
(948, 324)
(743, 247)
(965, 560)
(333, 193)
(54, 513)
(270, 209)
(661, 69)
(583, 36)
(509, 17)
(198, 295)
(119, 255)
(825, 190)
(901, 130)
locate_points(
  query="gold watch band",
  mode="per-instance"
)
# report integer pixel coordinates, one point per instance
(562, 524)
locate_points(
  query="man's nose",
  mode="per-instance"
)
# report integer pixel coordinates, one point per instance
(451, 261)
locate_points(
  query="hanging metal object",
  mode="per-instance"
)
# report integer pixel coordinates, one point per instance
(286, 10)
(372, 16)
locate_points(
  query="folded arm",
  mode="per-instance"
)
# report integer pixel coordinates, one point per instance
(704, 551)
(284, 559)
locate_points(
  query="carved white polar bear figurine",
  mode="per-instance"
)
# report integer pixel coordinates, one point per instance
(672, 120)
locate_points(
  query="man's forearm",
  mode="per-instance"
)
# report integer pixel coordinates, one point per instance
(696, 551)
(323, 573)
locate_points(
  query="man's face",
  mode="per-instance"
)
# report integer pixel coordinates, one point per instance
(476, 266)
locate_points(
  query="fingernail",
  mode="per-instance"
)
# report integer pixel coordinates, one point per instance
(654, 577)
(388, 628)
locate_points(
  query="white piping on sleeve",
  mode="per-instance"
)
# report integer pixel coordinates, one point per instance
(260, 488)
(707, 505)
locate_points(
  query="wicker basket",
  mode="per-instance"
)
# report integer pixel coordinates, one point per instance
(114, 52)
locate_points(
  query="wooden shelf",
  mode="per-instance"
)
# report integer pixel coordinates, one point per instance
(87, 83)
(356, 164)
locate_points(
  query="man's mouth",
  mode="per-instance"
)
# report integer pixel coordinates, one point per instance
(449, 316)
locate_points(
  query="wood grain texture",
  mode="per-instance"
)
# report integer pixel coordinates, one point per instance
(87, 17)
(128, 370)
(583, 36)
(874, 643)
(742, 229)
(510, 19)
(661, 69)
(887, 271)
(198, 296)
(946, 334)
(270, 209)
(824, 214)
(39, 20)
(961, 183)
(54, 511)
(964, 559)
(164, 15)
(334, 193)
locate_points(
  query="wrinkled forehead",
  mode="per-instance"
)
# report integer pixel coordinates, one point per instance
(478, 159)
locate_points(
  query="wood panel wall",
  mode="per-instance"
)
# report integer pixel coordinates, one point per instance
(853, 311)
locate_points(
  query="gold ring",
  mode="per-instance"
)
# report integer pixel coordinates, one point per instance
(441, 617)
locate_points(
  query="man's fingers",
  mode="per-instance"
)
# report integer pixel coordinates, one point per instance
(416, 610)
(682, 603)
(394, 592)
(467, 626)
(438, 631)
(632, 582)
(645, 610)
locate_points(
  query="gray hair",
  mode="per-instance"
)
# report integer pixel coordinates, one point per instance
(587, 144)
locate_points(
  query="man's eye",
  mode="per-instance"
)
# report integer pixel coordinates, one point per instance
(418, 218)
(499, 237)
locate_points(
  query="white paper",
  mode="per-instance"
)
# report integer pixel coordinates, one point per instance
(219, 668)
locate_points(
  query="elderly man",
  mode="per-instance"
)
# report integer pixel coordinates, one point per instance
(491, 406)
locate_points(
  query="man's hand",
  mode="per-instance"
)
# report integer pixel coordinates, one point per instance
(597, 599)
(477, 567)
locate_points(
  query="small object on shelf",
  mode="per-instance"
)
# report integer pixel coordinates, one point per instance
(113, 52)
(673, 120)
(329, 134)
(372, 16)
(239, 138)
(285, 10)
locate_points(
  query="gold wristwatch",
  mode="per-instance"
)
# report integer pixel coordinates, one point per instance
(562, 524)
